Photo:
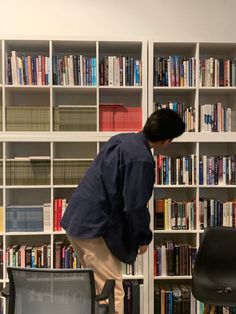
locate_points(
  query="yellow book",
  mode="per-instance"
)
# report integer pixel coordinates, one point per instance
(1, 219)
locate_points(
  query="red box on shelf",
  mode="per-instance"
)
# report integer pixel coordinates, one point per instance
(117, 117)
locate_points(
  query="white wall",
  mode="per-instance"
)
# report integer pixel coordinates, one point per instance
(171, 20)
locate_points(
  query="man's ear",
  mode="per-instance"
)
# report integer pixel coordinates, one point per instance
(166, 142)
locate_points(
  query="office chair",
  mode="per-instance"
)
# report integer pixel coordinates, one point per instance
(214, 275)
(56, 291)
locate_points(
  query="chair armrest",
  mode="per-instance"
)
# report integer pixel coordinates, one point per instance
(106, 290)
(6, 291)
(108, 293)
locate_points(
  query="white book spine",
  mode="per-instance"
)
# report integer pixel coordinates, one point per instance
(163, 261)
(46, 217)
(110, 71)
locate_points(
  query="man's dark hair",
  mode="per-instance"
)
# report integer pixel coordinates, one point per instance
(162, 125)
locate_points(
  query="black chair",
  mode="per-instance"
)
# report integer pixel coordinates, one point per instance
(56, 291)
(214, 275)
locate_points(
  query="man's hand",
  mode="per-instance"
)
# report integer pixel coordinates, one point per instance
(142, 249)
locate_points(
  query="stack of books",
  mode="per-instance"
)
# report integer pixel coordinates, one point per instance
(28, 118)
(75, 118)
(69, 171)
(28, 170)
(118, 117)
(28, 218)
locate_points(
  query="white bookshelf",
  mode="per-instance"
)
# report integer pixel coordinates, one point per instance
(84, 145)
(60, 145)
(197, 143)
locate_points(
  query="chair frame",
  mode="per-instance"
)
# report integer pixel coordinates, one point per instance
(224, 288)
(107, 292)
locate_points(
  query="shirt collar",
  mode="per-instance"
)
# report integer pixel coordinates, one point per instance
(144, 139)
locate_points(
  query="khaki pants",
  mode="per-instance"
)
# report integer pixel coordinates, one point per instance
(94, 254)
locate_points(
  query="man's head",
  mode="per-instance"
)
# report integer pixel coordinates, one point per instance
(163, 126)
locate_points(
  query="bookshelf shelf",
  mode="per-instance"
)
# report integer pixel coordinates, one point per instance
(15, 86)
(28, 186)
(71, 87)
(174, 186)
(58, 232)
(172, 277)
(170, 89)
(21, 233)
(131, 277)
(174, 231)
(221, 88)
(120, 87)
(230, 186)
(57, 186)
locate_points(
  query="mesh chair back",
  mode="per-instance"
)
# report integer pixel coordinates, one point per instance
(214, 276)
(40, 291)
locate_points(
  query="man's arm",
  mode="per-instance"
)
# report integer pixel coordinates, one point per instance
(138, 186)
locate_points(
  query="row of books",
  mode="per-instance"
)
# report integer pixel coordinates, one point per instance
(134, 297)
(35, 118)
(65, 256)
(27, 171)
(59, 207)
(174, 299)
(29, 256)
(213, 213)
(217, 72)
(113, 116)
(118, 117)
(28, 218)
(74, 70)
(120, 71)
(117, 70)
(174, 215)
(134, 270)
(75, 118)
(40, 256)
(214, 170)
(33, 218)
(27, 69)
(174, 259)
(175, 170)
(215, 118)
(174, 71)
(217, 170)
(187, 113)
(69, 171)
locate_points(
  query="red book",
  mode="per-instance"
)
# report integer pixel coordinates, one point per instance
(59, 214)
(55, 214)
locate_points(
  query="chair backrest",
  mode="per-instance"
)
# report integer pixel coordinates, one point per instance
(54, 291)
(214, 275)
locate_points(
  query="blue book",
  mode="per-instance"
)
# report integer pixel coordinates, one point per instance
(34, 218)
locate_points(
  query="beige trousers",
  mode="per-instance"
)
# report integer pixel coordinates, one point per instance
(94, 254)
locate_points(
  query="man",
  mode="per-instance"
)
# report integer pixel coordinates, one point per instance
(107, 220)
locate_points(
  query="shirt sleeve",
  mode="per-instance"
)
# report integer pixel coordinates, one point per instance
(138, 186)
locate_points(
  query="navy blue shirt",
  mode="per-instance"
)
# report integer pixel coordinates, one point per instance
(111, 200)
